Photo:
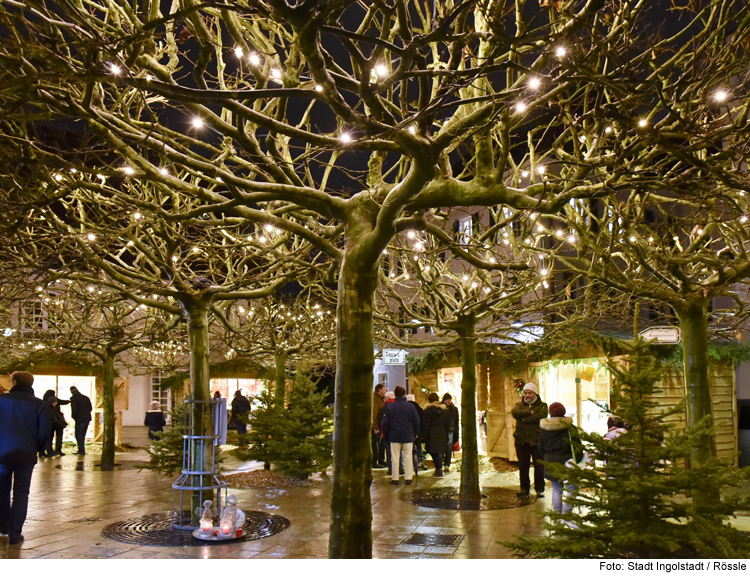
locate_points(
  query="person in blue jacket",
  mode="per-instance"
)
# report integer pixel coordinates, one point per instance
(400, 426)
(25, 423)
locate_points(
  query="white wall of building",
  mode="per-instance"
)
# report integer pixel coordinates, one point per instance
(395, 375)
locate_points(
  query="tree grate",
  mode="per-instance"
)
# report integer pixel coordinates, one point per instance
(446, 498)
(435, 539)
(81, 466)
(156, 530)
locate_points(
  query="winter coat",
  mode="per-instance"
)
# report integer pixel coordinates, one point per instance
(155, 421)
(453, 420)
(554, 442)
(420, 413)
(240, 405)
(434, 432)
(377, 405)
(400, 421)
(387, 401)
(80, 407)
(25, 423)
(527, 421)
(57, 418)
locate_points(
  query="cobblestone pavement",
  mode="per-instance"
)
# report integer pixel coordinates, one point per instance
(68, 510)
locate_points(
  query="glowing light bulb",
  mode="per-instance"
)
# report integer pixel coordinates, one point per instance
(164, 171)
(632, 239)
(608, 130)
(560, 51)
(115, 69)
(520, 107)
(91, 236)
(345, 137)
(238, 51)
(541, 169)
(572, 238)
(174, 258)
(743, 219)
(58, 177)
(137, 216)
(381, 70)
(534, 83)
(642, 122)
(197, 122)
(721, 95)
(318, 88)
(412, 128)
(559, 233)
(276, 73)
(254, 58)
(524, 174)
(128, 170)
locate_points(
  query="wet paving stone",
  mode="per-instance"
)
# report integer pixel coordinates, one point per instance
(83, 466)
(446, 498)
(435, 539)
(156, 530)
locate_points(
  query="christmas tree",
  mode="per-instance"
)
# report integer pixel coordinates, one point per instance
(165, 453)
(632, 496)
(305, 445)
(264, 424)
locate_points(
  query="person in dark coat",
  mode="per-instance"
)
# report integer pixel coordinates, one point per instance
(453, 426)
(240, 408)
(528, 413)
(400, 425)
(434, 431)
(155, 421)
(378, 446)
(25, 423)
(80, 410)
(418, 440)
(58, 424)
(388, 398)
(559, 442)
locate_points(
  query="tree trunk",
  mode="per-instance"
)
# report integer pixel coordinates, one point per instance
(200, 386)
(108, 413)
(693, 316)
(280, 384)
(469, 489)
(351, 509)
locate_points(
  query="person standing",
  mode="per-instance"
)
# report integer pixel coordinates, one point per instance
(25, 423)
(434, 431)
(58, 423)
(240, 408)
(528, 413)
(378, 451)
(559, 442)
(400, 426)
(155, 420)
(80, 411)
(410, 397)
(451, 412)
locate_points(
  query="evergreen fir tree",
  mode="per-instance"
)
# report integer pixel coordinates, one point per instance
(305, 445)
(165, 453)
(633, 500)
(264, 424)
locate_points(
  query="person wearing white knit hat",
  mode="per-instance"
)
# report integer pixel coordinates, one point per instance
(528, 413)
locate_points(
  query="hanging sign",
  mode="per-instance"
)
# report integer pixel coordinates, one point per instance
(661, 335)
(394, 357)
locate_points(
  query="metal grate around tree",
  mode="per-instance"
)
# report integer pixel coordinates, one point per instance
(446, 498)
(157, 530)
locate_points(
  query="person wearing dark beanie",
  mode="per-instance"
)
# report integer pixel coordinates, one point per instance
(434, 431)
(453, 428)
(400, 426)
(559, 442)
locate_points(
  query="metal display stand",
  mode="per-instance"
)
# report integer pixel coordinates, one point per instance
(205, 483)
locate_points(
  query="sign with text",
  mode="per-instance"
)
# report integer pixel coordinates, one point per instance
(661, 335)
(394, 357)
